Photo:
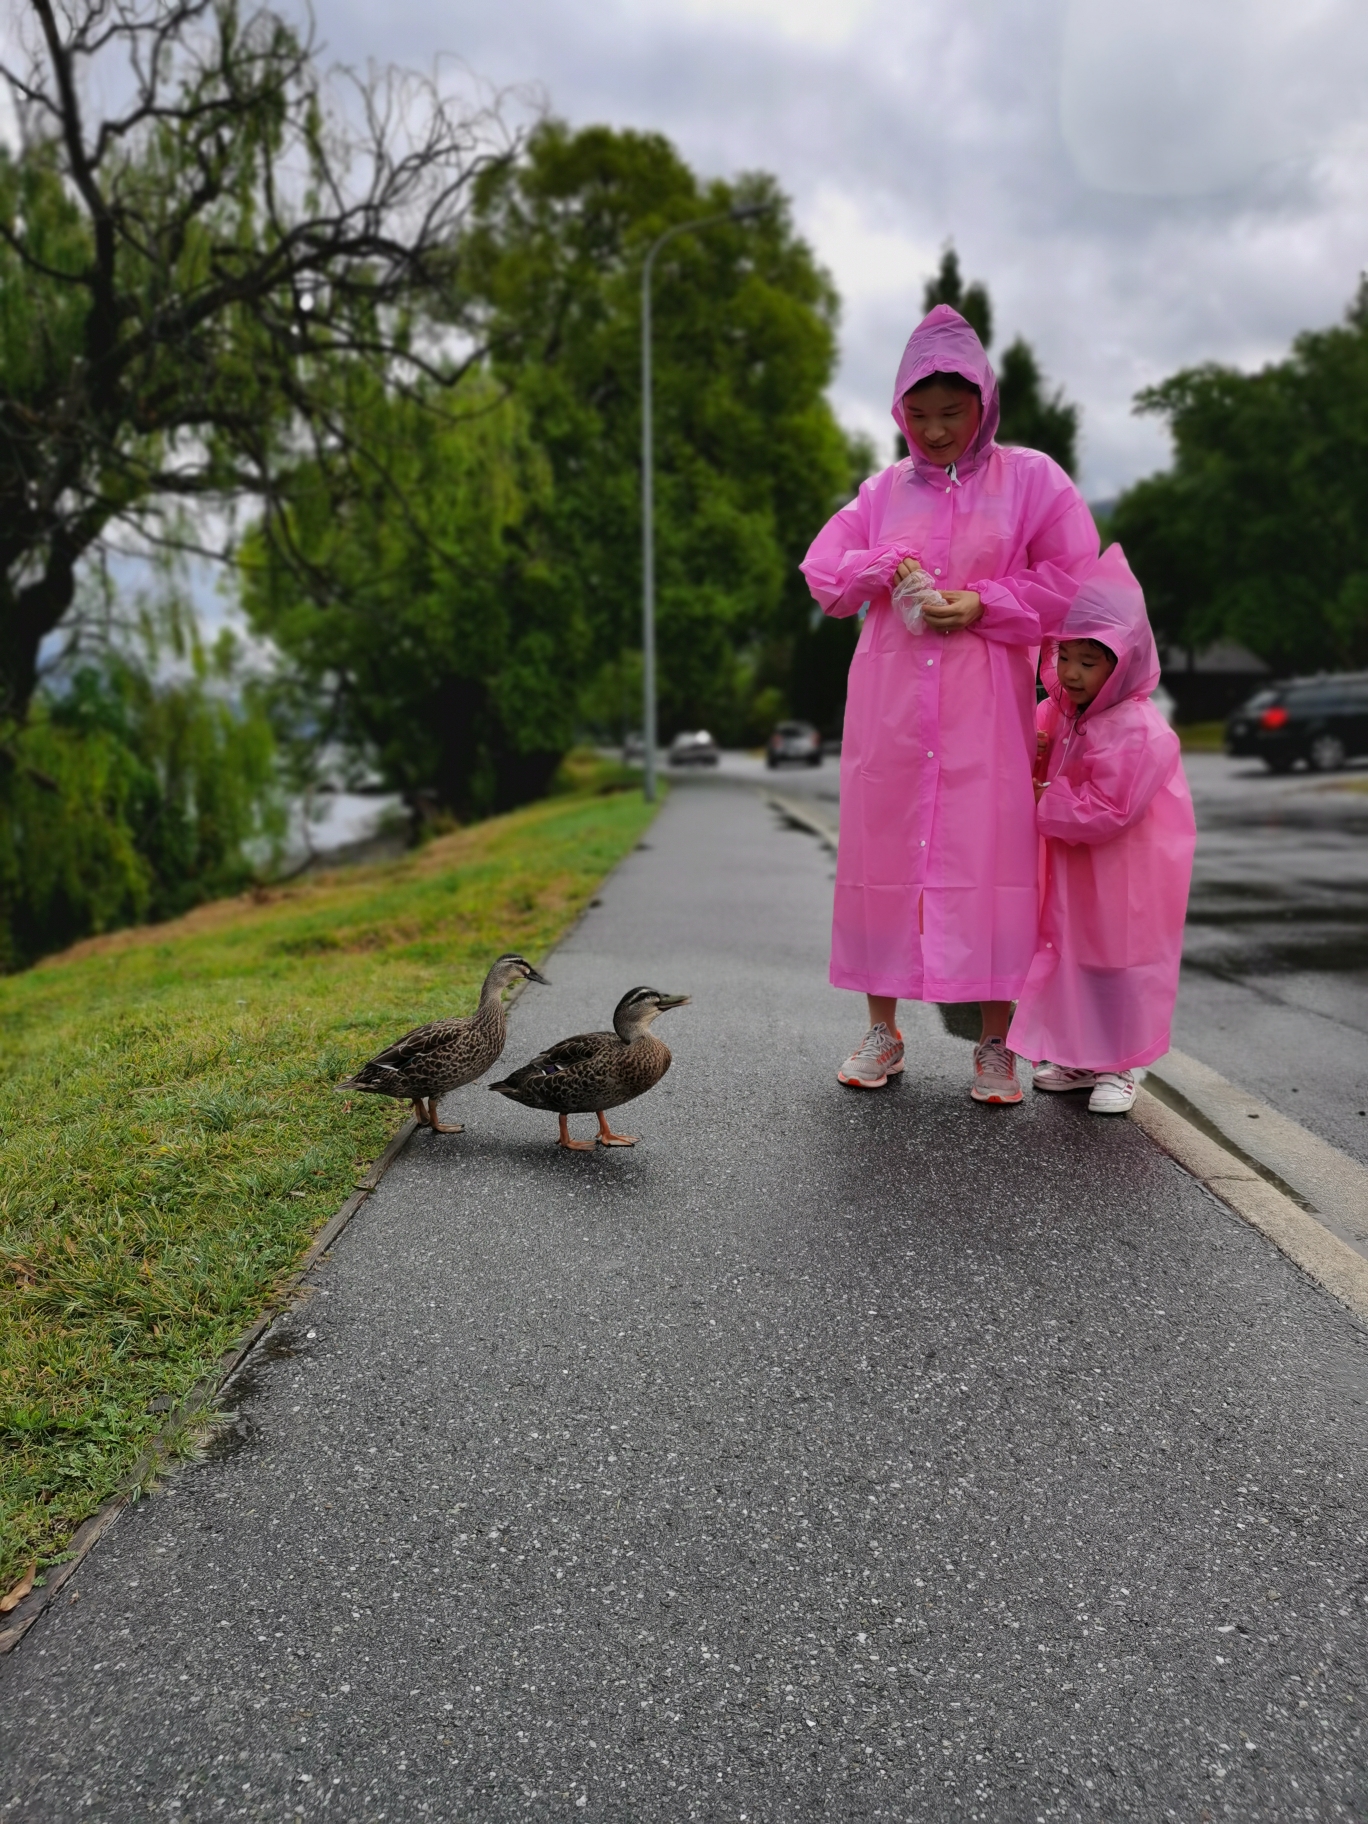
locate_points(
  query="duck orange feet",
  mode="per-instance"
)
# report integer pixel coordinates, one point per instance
(575, 1146)
(606, 1136)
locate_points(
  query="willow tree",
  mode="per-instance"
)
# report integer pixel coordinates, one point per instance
(191, 273)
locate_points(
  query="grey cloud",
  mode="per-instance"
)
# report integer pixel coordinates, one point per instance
(1045, 136)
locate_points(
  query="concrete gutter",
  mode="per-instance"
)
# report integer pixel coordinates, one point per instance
(1322, 1179)
(1298, 1232)
(803, 817)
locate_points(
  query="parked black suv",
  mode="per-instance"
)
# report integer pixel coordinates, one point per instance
(1323, 721)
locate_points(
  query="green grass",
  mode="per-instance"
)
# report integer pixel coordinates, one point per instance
(170, 1137)
(1202, 737)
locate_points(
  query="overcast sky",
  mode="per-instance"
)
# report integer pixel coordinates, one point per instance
(1142, 183)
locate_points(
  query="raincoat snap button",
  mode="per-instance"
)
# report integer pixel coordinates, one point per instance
(937, 569)
(930, 661)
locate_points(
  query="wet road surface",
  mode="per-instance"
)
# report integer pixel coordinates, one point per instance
(829, 1456)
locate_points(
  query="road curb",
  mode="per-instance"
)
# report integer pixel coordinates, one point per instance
(1307, 1243)
(197, 1402)
(804, 819)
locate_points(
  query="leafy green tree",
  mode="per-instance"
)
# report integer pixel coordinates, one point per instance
(444, 635)
(186, 269)
(140, 785)
(749, 458)
(1257, 532)
(971, 301)
(1030, 416)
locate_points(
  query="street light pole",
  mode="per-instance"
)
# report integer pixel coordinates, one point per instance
(742, 212)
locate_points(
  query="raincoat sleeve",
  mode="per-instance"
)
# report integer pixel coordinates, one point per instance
(844, 569)
(1018, 609)
(1125, 767)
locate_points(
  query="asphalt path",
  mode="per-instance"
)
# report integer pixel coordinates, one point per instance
(827, 1456)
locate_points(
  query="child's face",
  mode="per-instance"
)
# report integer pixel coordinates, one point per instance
(1083, 667)
(943, 421)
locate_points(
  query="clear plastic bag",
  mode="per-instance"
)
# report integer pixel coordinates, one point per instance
(913, 594)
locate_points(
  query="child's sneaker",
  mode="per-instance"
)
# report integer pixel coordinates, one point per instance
(878, 1059)
(1062, 1076)
(995, 1078)
(1114, 1094)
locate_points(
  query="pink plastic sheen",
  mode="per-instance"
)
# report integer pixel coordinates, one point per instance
(1119, 835)
(936, 894)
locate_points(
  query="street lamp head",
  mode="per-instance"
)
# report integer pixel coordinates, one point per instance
(743, 212)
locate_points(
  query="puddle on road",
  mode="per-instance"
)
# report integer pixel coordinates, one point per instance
(231, 1431)
(233, 1428)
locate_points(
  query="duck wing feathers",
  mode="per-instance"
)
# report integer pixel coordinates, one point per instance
(434, 1058)
(594, 1070)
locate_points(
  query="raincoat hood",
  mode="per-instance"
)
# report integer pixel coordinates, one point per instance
(1109, 607)
(943, 343)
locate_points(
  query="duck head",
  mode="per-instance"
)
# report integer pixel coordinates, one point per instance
(639, 1006)
(509, 968)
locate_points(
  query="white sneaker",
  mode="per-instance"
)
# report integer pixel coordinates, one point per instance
(875, 1061)
(995, 1078)
(1062, 1076)
(1114, 1094)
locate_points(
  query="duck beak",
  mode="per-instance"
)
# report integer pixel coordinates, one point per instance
(672, 1000)
(535, 975)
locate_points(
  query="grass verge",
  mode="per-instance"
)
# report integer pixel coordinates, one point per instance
(1202, 737)
(170, 1137)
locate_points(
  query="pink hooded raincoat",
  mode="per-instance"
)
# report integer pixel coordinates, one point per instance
(936, 892)
(1119, 837)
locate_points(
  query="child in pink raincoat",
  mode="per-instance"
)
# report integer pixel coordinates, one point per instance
(1116, 817)
(936, 892)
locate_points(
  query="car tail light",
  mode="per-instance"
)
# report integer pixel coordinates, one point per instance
(1274, 718)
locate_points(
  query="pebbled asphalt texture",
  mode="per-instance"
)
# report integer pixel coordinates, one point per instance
(829, 1455)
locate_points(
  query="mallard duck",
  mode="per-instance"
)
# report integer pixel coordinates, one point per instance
(430, 1060)
(598, 1070)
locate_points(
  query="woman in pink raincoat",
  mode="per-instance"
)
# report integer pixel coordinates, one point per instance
(936, 893)
(1116, 817)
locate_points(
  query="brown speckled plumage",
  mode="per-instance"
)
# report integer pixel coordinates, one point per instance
(445, 1054)
(598, 1070)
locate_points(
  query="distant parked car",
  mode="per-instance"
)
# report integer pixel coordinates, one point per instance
(696, 749)
(633, 747)
(1323, 721)
(797, 742)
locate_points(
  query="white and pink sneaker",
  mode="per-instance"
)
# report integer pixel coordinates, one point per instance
(1062, 1077)
(875, 1061)
(995, 1078)
(1114, 1094)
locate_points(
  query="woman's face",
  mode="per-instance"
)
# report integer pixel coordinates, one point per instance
(943, 421)
(1083, 667)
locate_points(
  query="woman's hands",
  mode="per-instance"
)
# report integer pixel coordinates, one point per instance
(1038, 779)
(962, 608)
